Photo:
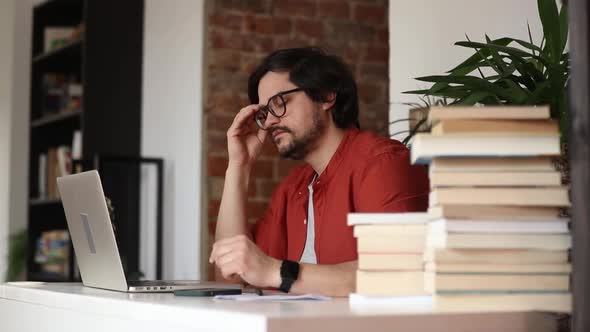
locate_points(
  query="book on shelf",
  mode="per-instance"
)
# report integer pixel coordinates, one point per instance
(488, 112)
(42, 178)
(55, 37)
(476, 211)
(495, 164)
(52, 253)
(515, 127)
(518, 196)
(425, 147)
(59, 163)
(381, 230)
(450, 179)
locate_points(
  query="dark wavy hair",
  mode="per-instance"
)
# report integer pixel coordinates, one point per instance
(318, 74)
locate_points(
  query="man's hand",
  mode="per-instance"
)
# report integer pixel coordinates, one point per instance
(238, 255)
(244, 138)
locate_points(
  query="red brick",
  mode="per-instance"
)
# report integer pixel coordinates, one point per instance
(223, 102)
(378, 54)
(370, 14)
(249, 6)
(367, 92)
(269, 149)
(219, 121)
(268, 25)
(262, 169)
(309, 28)
(216, 166)
(334, 9)
(292, 42)
(226, 21)
(284, 167)
(383, 36)
(224, 59)
(216, 142)
(295, 8)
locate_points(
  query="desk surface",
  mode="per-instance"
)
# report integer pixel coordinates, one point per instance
(35, 306)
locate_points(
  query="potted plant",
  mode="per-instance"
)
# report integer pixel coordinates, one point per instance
(523, 73)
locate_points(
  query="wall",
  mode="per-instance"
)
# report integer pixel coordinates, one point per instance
(172, 124)
(422, 34)
(241, 33)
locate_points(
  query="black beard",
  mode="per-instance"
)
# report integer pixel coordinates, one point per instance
(300, 147)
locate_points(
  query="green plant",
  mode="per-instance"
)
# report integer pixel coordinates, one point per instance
(17, 255)
(523, 73)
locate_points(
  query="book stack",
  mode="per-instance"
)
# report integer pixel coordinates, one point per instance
(495, 202)
(390, 253)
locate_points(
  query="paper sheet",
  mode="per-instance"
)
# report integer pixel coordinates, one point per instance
(277, 297)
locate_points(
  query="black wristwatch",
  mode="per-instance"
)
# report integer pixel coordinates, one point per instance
(289, 273)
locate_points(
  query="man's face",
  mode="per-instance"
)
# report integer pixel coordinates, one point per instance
(297, 132)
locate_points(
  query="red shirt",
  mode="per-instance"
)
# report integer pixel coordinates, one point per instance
(367, 173)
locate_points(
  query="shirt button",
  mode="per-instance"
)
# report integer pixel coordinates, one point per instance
(305, 221)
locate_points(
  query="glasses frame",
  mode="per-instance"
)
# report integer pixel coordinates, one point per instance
(268, 109)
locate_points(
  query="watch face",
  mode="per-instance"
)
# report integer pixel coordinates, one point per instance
(290, 270)
(289, 273)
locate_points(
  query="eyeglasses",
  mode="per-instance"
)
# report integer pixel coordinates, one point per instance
(276, 106)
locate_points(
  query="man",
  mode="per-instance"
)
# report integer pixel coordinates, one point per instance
(305, 101)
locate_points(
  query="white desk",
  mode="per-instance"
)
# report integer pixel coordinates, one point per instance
(71, 307)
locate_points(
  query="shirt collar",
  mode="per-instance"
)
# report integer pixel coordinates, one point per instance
(336, 158)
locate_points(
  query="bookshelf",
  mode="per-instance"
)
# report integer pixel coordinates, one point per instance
(85, 78)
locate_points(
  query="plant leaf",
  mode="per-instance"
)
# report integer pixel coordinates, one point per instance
(530, 36)
(563, 27)
(550, 21)
(477, 58)
(473, 98)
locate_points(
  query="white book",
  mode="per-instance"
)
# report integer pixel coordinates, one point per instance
(425, 147)
(496, 256)
(374, 304)
(388, 218)
(464, 179)
(498, 241)
(502, 112)
(510, 196)
(481, 164)
(386, 230)
(556, 226)
(399, 261)
(563, 268)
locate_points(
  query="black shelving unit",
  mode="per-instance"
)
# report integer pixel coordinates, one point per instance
(106, 58)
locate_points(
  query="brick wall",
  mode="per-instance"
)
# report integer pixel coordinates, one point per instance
(242, 32)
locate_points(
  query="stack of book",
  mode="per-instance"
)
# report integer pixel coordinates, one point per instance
(495, 239)
(390, 253)
(495, 202)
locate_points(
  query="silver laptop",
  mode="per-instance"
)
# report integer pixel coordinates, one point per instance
(94, 240)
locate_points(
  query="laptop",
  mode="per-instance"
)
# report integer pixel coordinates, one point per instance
(94, 241)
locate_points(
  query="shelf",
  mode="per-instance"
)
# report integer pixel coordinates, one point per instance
(53, 118)
(72, 48)
(44, 201)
